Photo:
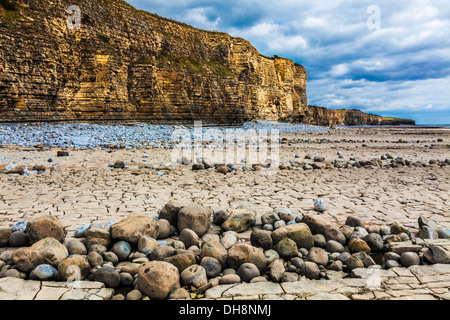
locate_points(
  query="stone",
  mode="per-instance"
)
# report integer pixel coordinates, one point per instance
(122, 249)
(194, 276)
(424, 221)
(215, 249)
(162, 252)
(270, 255)
(318, 256)
(97, 236)
(230, 279)
(62, 153)
(289, 277)
(12, 273)
(180, 294)
(392, 256)
(319, 240)
(189, 238)
(111, 257)
(97, 248)
(279, 224)
(261, 239)
(45, 227)
(134, 295)
(391, 264)
(374, 241)
(426, 232)
(164, 228)
(5, 233)
(357, 245)
(132, 228)
(75, 247)
(311, 270)
(316, 224)
(157, 279)
(443, 233)
(239, 220)
(299, 232)
(241, 253)
(220, 216)
(81, 231)
(398, 228)
(277, 270)
(195, 217)
(170, 211)
(147, 242)
(346, 230)
(354, 221)
(45, 251)
(18, 239)
(335, 234)
(44, 272)
(182, 260)
(270, 218)
(211, 266)
(336, 265)
(319, 205)
(408, 259)
(286, 248)
(248, 271)
(126, 279)
(228, 240)
(344, 256)
(109, 276)
(20, 225)
(334, 246)
(75, 266)
(353, 262)
(284, 214)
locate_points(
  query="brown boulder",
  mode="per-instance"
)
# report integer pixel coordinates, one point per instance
(316, 223)
(97, 236)
(45, 227)
(75, 266)
(132, 228)
(45, 251)
(242, 252)
(157, 279)
(195, 217)
(299, 232)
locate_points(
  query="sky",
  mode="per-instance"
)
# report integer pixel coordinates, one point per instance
(387, 57)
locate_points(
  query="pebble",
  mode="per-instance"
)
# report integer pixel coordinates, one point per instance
(122, 249)
(248, 271)
(230, 279)
(44, 272)
(408, 259)
(319, 205)
(18, 239)
(108, 276)
(126, 279)
(19, 226)
(134, 295)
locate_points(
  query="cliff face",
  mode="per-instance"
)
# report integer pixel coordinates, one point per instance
(127, 64)
(327, 117)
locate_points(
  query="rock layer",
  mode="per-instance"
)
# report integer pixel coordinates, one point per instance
(127, 64)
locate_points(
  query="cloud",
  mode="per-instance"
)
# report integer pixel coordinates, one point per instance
(348, 64)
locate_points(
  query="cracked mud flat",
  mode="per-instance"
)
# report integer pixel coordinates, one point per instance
(82, 189)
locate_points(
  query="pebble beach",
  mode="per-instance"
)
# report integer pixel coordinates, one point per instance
(316, 220)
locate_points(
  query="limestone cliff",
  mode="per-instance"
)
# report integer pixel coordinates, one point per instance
(327, 117)
(128, 64)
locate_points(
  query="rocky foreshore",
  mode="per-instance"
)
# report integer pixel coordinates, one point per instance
(187, 249)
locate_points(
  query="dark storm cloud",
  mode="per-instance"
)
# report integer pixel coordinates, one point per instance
(349, 64)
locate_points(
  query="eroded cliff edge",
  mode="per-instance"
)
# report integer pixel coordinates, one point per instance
(127, 64)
